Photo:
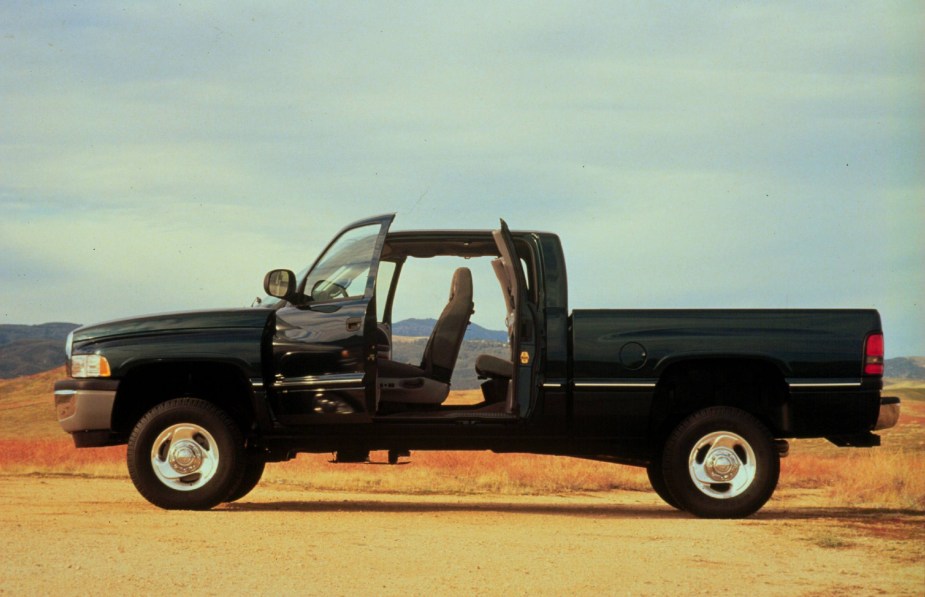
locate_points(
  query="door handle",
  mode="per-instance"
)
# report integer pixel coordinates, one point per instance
(354, 324)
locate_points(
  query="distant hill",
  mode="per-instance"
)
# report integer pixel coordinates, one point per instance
(905, 368)
(28, 406)
(45, 331)
(423, 327)
(29, 349)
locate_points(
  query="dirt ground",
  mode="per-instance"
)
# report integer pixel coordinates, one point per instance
(73, 535)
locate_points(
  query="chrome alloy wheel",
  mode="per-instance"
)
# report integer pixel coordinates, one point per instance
(722, 465)
(184, 457)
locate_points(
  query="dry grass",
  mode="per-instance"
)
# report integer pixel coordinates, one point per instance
(874, 478)
(892, 476)
(27, 406)
(58, 456)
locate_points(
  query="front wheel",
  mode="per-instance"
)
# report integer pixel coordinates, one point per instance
(254, 465)
(186, 454)
(721, 463)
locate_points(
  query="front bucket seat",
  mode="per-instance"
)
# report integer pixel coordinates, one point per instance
(430, 383)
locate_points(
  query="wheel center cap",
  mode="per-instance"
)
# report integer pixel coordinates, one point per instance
(185, 457)
(722, 465)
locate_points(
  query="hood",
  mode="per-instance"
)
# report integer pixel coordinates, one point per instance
(174, 322)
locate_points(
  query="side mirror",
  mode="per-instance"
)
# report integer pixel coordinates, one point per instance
(280, 283)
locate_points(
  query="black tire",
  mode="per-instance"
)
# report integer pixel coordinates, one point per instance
(721, 462)
(657, 480)
(254, 464)
(186, 454)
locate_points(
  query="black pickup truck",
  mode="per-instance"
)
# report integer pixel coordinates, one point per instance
(704, 399)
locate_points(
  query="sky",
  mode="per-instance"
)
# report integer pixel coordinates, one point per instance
(159, 157)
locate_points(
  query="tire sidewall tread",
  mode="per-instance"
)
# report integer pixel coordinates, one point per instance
(656, 475)
(254, 465)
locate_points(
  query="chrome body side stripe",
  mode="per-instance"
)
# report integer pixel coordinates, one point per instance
(322, 381)
(840, 384)
(616, 384)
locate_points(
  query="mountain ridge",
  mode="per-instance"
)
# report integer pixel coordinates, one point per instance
(55, 330)
(414, 327)
(31, 349)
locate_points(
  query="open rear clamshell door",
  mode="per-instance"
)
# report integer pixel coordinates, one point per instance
(511, 276)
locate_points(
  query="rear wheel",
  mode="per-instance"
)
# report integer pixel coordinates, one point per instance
(657, 480)
(186, 454)
(721, 462)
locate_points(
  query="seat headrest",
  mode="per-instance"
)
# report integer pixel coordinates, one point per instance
(462, 282)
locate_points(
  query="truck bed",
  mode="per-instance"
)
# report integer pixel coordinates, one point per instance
(815, 357)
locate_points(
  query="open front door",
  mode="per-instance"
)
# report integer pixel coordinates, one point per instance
(324, 349)
(519, 322)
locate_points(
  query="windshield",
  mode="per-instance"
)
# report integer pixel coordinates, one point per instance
(343, 271)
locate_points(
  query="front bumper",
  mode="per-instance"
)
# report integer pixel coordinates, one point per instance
(889, 413)
(85, 404)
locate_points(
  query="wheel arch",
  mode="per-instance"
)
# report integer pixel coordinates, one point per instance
(752, 384)
(145, 386)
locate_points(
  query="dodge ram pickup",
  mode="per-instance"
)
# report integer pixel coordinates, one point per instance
(705, 400)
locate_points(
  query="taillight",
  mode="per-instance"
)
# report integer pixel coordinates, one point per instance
(873, 355)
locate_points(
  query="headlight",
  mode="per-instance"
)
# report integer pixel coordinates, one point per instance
(89, 365)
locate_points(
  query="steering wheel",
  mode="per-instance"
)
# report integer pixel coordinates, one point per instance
(332, 291)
